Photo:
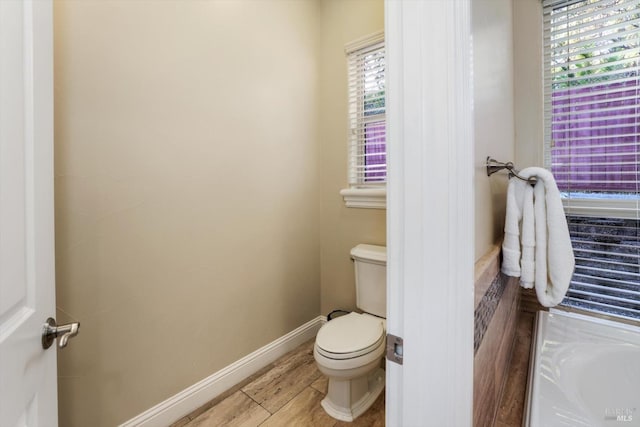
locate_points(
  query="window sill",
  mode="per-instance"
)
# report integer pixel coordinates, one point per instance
(368, 198)
(623, 207)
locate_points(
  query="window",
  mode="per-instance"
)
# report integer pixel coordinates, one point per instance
(592, 144)
(367, 123)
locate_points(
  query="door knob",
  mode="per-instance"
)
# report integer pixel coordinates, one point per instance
(51, 331)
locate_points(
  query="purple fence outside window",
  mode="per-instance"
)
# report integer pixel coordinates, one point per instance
(375, 150)
(580, 146)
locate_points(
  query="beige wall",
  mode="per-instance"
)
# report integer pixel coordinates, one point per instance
(528, 77)
(341, 228)
(493, 114)
(187, 213)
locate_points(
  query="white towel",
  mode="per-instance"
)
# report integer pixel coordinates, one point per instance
(554, 254)
(527, 276)
(511, 253)
(546, 260)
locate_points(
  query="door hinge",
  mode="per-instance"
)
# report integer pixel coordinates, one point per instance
(394, 349)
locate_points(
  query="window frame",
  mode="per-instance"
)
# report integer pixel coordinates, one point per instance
(574, 204)
(598, 285)
(370, 195)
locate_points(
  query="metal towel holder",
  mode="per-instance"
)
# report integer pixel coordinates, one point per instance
(494, 166)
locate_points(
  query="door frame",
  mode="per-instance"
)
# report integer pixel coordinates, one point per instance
(430, 225)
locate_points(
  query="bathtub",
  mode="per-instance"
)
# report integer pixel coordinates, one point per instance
(584, 371)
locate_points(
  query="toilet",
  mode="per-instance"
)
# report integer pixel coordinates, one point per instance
(349, 348)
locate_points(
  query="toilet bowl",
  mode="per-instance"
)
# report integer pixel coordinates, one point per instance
(349, 351)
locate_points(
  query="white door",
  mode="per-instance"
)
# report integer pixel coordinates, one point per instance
(430, 212)
(27, 296)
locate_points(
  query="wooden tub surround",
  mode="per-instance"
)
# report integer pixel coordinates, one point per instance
(498, 391)
(511, 410)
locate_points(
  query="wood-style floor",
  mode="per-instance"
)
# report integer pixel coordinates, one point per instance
(287, 393)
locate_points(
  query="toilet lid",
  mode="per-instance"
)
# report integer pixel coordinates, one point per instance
(352, 333)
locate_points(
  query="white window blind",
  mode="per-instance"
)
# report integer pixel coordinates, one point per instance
(592, 144)
(367, 124)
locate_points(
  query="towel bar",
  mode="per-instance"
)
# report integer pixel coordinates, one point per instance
(494, 166)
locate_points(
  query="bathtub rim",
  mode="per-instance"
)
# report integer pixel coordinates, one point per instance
(590, 315)
(537, 336)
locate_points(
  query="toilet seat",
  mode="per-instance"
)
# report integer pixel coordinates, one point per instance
(350, 336)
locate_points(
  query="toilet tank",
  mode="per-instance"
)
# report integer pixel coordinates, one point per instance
(370, 262)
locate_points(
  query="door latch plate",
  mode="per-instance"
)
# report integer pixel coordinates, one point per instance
(394, 349)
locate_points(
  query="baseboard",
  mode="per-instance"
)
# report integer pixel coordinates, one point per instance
(193, 397)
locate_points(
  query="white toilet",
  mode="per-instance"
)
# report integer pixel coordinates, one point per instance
(349, 349)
